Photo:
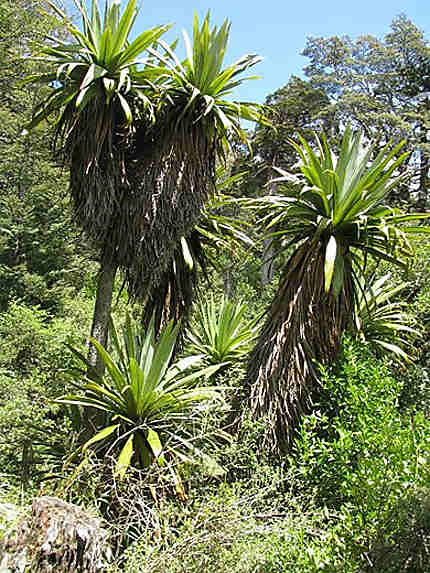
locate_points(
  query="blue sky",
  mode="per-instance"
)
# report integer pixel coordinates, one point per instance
(277, 29)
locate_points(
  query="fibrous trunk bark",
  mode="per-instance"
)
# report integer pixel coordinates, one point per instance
(303, 329)
(169, 189)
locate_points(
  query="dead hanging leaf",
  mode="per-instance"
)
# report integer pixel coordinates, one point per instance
(179, 486)
(153, 493)
(180, 491)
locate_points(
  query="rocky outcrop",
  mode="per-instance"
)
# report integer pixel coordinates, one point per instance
(56, 537)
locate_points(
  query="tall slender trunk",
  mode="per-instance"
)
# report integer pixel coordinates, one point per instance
(102, 309)
(424, 159)
(268, 266)
(228, 282)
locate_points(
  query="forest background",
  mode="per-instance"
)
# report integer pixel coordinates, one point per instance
(352, 494)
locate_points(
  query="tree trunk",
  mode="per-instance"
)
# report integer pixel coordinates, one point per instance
(228, 282)
(102, 310)
(424, 160)
(57, 537)
(268, 267)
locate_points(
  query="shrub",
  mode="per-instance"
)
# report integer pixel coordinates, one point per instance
(224, 533)
(33, 357)
(359, 454)
(402, 543)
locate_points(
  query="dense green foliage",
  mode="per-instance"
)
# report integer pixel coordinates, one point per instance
(182, 484)
(39, 247)
(354, 495)
(380, 85)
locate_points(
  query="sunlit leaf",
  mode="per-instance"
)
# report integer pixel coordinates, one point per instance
(102, 435)
(124, 459)
(154, 441)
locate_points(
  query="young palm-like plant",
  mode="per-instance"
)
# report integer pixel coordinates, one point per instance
(151, 407)
(223, 335)
(335, 219)
(382, 322)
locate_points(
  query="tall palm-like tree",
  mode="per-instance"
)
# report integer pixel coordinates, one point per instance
(140, 137)
(98, 93)
(194, 125)
(334, 218)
